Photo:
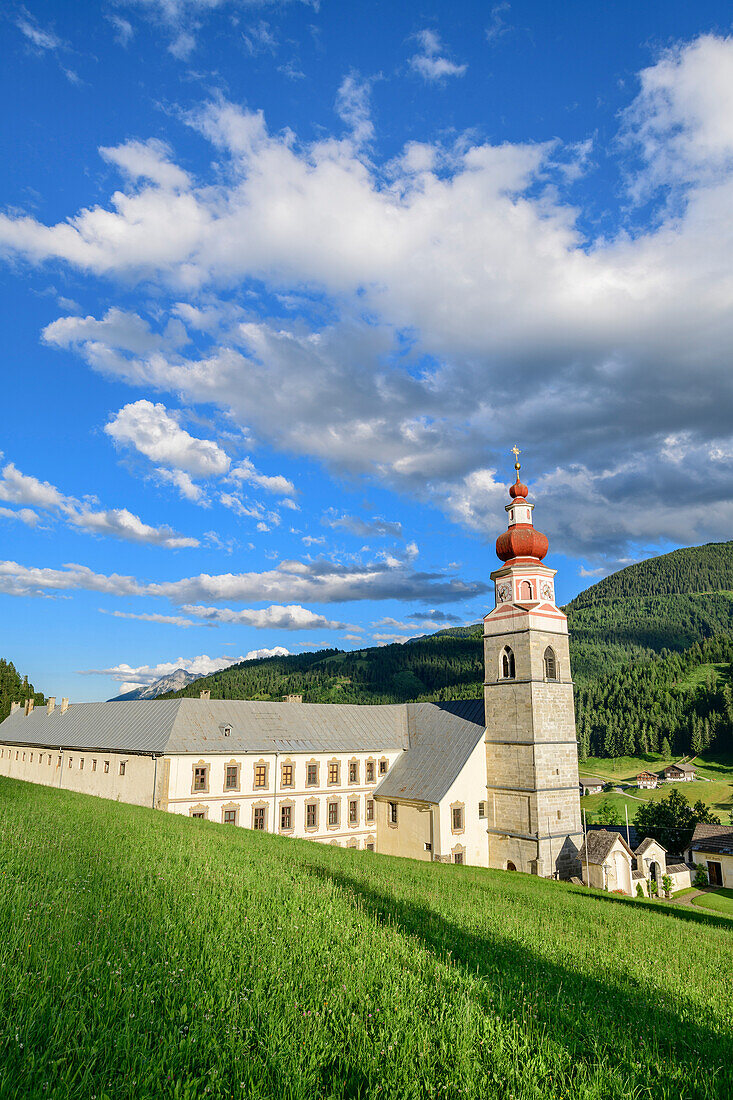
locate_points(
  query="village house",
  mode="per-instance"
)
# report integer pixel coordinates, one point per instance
(610, 865)
(711, 847)
(647, 781)
(590, 786)
(679, 773)
(491, 782)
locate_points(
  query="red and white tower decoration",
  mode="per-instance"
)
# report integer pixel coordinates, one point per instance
(533, 819)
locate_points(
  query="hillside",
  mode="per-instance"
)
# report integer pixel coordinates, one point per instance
(646, 667)
(149, 955)
(15, 688)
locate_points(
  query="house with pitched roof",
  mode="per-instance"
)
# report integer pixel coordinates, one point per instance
(712, 848)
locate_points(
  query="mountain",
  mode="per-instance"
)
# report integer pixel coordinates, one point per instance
(15, 689)
(651, 648)
(165, 685)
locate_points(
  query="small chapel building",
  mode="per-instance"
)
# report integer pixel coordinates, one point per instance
(491, 782)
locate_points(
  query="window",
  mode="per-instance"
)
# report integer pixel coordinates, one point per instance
(458, 857)
(334, 774)
(106, 766)
(311, 775)
(428, 846)
(457, 818)
(94, 765)
(383, 765)
(370, 846)
(550, 664)
(559, 815)
(123, 765)
(230, 817)
(507, 664)
(287, 775)
(525, 591)
(286, 818)
(227, 732)
(333, 813)
(393, 813)
(482, 809)
(353, 811)
(199, 777)
(370, 771)
(31, 758)
(58, 762)
(353, 771)
(198, 813)
(311, 815)
(81, 764)
(260, 775)
(231, 777)
(351, 843)
(511, 866)
(258, 817)
(370, 809)
(71, 759)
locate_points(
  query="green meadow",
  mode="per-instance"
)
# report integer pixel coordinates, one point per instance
(714, 787)
(148, 955)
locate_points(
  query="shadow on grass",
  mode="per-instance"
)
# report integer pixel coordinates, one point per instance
(664, 908)
(616, 1024)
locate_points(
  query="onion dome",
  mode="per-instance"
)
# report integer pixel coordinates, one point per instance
(521, 540)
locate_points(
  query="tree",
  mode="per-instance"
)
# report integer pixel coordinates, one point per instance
(704, 815)
(665, 750)
(607, 813)
(669, 821)
(667, 884)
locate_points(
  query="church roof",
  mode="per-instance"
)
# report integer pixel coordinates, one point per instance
(441, 737)
(197, 726)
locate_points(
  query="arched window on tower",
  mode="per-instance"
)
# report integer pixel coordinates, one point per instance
(525, 591)
(507, 664)
(550, 664)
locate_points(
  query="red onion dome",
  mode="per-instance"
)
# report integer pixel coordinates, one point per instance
(517, 489)
(521, 541)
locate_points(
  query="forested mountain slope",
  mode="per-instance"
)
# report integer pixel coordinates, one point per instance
(15, 688)
(646, 666)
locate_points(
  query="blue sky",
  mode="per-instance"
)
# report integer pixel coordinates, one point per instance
(281, 284)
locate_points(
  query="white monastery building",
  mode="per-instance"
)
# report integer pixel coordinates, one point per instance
(491, 782)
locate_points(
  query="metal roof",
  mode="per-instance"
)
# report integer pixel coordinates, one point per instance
(131, 726)
(197, 725)
(442, 736)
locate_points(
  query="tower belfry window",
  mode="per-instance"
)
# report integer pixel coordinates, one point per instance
(550, 664)
(508, 671)
(525, 591)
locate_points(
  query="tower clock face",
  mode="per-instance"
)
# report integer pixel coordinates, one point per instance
(503, 592)
(547, 591)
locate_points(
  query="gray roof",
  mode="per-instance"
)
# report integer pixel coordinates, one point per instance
(597, 845)
(197, 726)
(717, 839)
(647, 843)
(681, 768)
(442, 736)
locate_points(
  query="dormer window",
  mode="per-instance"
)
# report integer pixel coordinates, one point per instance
(226, 730)
(508, 670)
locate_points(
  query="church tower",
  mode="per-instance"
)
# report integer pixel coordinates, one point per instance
(534, 821)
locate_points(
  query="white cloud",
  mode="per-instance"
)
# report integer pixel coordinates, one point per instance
(354, 108)
(260, 654)
(430, 63)
(19, 488)
(375, 527)
(627, 342)
(275, 617)
(320, 581)
(41, 37)
(277, 484)
(188, 488)
(124, 31)
(132, 676)
(149, 160)
(168, 620)
(154, 432)
(23, 515)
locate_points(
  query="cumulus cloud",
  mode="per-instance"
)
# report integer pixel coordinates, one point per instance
(353, 106)
(132, 677)
(430, 63)
(245, 471)
(155, 433)
(603, 347)
(261, 654)
(290, 617)
(22, 515)
(19, 488)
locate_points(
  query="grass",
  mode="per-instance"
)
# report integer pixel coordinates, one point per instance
(149, 955)
(719, 901)
(715, 788)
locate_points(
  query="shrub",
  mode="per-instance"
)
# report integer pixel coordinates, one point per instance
(639, 890)
(701, 876)
(667, 884)
(653, 888)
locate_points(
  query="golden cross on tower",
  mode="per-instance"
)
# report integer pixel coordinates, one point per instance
(516, 452)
